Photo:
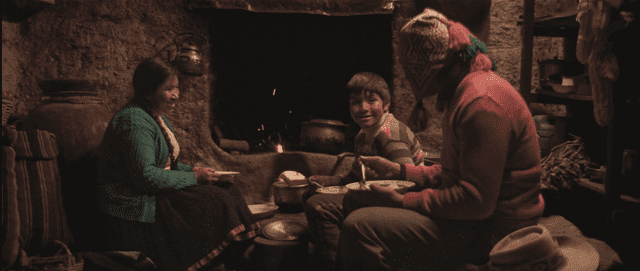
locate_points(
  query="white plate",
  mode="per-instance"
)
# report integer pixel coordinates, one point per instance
(260, 211)
(333, 190)
(400, 186)
(222, 172)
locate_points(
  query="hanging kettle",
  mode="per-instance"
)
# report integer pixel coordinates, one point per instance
(189, 58)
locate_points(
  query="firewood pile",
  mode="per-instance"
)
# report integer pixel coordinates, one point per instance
(565, 163)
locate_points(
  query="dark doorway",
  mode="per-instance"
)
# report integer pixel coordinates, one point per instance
(306, 60)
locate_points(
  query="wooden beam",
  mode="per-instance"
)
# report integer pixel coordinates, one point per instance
(527, 50)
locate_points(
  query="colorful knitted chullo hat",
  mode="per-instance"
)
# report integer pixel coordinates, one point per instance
(428, 40)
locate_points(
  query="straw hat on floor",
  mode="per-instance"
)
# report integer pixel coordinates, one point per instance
(534, 248)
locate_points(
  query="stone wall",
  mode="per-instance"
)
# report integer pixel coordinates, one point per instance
(104, 40)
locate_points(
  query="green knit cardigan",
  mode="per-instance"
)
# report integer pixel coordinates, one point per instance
(131, 164)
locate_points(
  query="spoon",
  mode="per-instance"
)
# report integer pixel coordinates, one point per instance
(319, 185)
(286, 180)
(363, 182)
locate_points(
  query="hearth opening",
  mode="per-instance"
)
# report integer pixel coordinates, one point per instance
(277, 70)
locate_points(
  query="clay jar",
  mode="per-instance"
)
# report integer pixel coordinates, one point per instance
(78, 118)
(75, 114)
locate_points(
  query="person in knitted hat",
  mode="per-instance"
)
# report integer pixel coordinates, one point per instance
(488, 182)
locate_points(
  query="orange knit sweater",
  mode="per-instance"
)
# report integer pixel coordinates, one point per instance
(490, 161)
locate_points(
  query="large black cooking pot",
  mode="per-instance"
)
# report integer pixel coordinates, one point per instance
(324, 136)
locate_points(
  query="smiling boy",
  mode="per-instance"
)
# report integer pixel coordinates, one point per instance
(380, 135)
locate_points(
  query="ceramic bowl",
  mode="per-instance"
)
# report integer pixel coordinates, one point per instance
(336, 190)
(398, 185)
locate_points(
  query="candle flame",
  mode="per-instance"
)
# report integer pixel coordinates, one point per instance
(279, 148)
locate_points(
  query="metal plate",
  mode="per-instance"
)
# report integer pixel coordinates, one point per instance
(284, 230)
(222, 172)
(336, 190)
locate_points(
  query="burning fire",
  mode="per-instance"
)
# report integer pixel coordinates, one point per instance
(270, 144)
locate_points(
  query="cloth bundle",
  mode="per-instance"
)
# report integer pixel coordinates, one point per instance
(593, 50)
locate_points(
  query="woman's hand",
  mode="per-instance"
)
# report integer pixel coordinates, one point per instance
(381, 168)
(206, 176)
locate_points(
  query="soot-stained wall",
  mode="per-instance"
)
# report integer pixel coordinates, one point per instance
(105, 40)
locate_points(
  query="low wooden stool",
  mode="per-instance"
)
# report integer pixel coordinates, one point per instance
(270, 254)
(280, 255)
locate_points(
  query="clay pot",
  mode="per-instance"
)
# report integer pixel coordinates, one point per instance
(20, 10)
(75, 114)
(78, 118)
(548, 135)
(548, 68)
(324, 136)
(551, 68)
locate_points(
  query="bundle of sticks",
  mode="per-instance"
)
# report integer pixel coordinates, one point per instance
(565, 163)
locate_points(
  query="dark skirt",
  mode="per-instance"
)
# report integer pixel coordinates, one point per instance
(193, 227)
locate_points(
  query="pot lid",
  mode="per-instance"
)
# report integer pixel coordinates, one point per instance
(326, 122)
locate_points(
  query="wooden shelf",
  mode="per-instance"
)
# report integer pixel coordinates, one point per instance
(599, 188)
(564, 24)
(548, 96)
(560, 24)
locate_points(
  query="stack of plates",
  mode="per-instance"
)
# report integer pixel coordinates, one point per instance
(262, 211)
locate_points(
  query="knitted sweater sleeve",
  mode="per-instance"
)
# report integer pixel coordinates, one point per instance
(395, 150)
(482, 133)
(393, 141)
(140, 156)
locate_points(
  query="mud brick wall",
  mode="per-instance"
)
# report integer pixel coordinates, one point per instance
(105, 40)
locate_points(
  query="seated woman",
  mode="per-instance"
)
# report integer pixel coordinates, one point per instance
(180, 216)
